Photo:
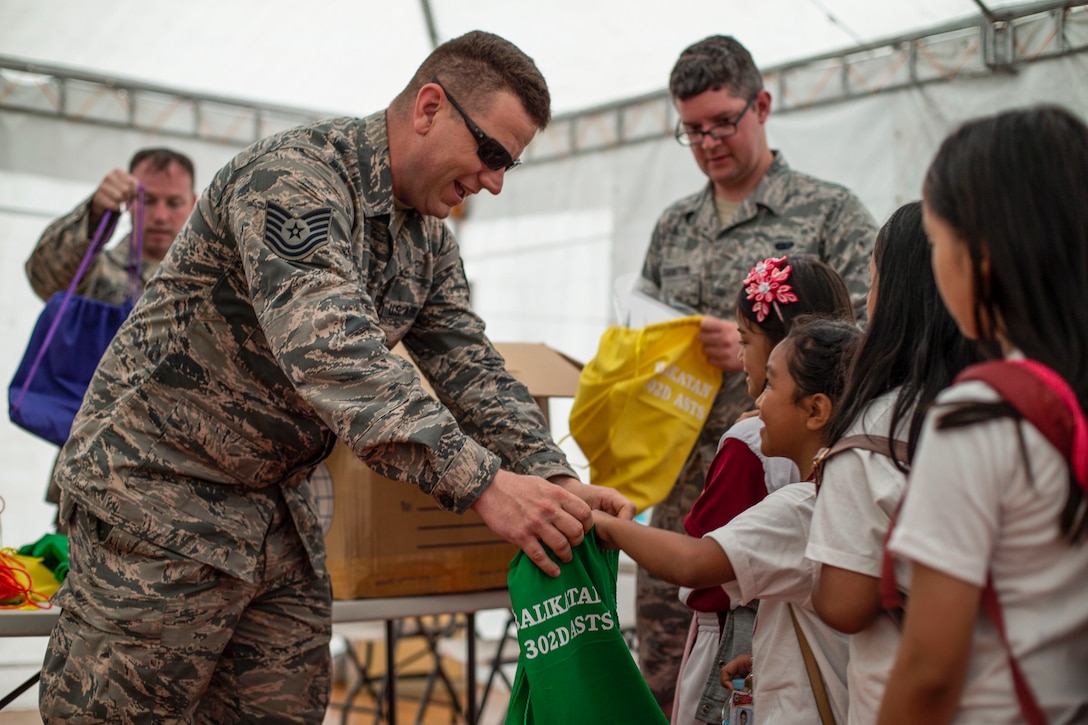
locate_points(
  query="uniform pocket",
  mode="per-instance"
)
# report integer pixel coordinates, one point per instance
(682, 292)
(205, 446)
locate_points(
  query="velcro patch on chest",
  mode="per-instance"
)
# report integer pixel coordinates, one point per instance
(296, 237)
(669, 271)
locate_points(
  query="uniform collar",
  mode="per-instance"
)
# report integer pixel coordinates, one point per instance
(376, 195)
(771, 193)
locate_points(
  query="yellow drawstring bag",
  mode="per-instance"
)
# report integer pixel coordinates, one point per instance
(641, 403)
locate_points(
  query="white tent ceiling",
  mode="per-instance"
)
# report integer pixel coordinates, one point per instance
(353, 56)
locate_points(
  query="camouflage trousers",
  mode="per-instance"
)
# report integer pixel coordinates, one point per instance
(148, 636)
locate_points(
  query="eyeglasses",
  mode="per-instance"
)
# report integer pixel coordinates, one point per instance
(719, 131)
(490, 151)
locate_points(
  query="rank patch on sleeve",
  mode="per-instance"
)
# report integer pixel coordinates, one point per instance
(295, 237)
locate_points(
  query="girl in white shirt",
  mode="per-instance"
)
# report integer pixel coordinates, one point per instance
(911, 351)
(760, 553)
(1005, 205)
(776, 292)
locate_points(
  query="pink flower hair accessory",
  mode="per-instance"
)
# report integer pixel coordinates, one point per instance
(766, 287)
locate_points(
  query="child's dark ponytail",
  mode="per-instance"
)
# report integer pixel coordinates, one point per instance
(820, 355)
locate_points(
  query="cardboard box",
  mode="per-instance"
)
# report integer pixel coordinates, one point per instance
(387, 538)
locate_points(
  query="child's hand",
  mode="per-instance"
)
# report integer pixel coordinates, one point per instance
(735, 669)
(603, 523)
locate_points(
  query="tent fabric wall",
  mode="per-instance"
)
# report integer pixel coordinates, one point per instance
(74, 152)
(354, 55)
(542, 257)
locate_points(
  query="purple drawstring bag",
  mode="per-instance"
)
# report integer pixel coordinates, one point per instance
(69, 338)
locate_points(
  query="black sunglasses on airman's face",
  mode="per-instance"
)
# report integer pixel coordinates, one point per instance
(490, 151)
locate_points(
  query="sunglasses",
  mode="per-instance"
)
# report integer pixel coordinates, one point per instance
(490, 151)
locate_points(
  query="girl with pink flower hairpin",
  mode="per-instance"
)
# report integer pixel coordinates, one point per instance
(777, 291)
(757, 551)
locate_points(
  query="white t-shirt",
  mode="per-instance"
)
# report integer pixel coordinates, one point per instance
(777, 471)
(972, 508)
(858, 497)
(766, 546)
(703, 650)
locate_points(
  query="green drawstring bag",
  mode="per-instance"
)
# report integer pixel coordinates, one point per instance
(52, 549)
(574, 666)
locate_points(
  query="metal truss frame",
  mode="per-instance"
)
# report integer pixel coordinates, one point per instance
(977, 47)
(985, 45)
(61, 93)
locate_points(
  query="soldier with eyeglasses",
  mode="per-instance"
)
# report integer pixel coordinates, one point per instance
(197, 588)
(754, 206)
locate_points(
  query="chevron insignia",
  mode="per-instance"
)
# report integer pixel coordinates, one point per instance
(295, 237)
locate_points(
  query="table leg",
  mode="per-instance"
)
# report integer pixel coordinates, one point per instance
(391, 671)
(470, 658)
(10, 697)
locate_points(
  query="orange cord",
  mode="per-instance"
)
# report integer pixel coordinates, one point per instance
(16, 584)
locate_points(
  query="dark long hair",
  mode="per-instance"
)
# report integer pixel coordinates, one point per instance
(1014, 187)
(912, 343)
(819, 288)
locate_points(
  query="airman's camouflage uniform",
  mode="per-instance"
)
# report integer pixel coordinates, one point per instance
(264, 338)
(697, 262)
(56, 258)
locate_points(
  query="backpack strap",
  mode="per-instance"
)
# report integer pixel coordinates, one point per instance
(891, 447)
(136, 247)
(890, 596)
(1044, 399)
(815, 677)
(1029, 706)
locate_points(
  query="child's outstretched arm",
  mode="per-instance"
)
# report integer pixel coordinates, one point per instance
(673, 557)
